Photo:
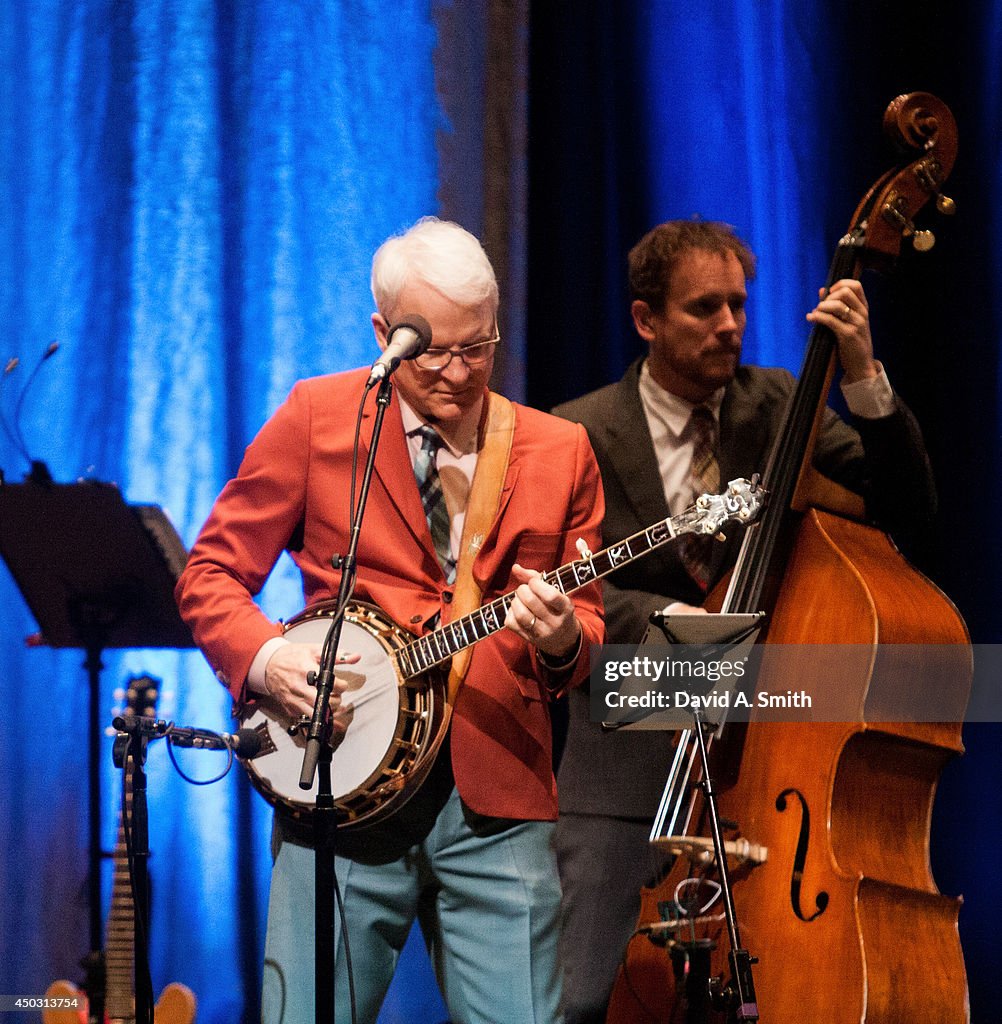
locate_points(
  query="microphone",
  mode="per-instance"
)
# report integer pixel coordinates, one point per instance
(51, 349)
(39, 471)
(406, 339)
(244, 743)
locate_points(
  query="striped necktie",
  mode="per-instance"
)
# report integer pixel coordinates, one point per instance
(433, 500)
(696, 550)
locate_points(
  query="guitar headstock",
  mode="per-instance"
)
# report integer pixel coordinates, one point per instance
(137, 699)
(141, 693)
(742, 501)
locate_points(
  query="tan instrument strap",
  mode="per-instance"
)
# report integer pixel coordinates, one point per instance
(485, 496)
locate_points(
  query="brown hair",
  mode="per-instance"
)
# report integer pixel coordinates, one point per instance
(655, 256)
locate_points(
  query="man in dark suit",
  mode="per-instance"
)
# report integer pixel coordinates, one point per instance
(473, 857)
(688, 289)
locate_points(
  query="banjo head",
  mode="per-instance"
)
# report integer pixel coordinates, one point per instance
(387, 730)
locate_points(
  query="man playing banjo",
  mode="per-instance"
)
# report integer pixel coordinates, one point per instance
(469, 853)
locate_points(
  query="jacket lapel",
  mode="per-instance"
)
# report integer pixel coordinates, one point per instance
(744, 433)
(394, 472)
(631, 452)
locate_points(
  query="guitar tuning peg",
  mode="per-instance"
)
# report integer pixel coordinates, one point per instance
(119, 693)
(945, 205)
(110, 730)
(923, 241)
(582, 545)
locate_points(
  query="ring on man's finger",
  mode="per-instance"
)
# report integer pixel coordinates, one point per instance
(846, 312)
(531, 625)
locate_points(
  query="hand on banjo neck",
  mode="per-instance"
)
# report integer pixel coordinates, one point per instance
(543, 616)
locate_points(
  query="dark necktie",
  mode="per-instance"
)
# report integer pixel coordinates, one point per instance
(433, 500)
(696, 551)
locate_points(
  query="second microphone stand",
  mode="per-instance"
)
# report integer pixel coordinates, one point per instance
(318, 756)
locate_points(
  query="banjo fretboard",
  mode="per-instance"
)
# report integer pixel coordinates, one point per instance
(741, 500)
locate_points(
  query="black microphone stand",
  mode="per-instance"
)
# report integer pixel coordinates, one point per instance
(129, 752)
(737, 997)
(319, 754)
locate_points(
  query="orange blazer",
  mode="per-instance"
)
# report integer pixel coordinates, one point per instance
(292, 493)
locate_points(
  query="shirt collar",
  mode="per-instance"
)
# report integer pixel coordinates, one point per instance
(672, 411)
(413, 423)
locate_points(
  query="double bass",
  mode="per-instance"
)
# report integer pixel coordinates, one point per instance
(826, 822)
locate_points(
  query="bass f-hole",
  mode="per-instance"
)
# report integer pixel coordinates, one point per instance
(800, 857)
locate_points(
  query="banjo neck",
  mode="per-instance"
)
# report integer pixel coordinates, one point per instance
(741, 501)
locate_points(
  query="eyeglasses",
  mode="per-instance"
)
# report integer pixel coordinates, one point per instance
(473, 355)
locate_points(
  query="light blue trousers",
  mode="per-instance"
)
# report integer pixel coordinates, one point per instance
(488, 906)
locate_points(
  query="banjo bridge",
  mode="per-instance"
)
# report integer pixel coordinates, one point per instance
(264, 735)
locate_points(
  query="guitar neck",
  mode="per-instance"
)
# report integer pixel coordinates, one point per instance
(440, 645)
(119, 937)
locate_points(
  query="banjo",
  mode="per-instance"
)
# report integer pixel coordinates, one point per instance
(394, 714)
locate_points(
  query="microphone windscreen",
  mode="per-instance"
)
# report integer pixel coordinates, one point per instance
(246, 743)
(419, 326)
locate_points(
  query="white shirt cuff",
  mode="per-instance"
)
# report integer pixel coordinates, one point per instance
(255, 677)
(871, 398)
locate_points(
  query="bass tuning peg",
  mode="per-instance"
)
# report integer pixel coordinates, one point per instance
(923, 241)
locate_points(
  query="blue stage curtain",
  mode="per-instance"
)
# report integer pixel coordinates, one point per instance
(190, 195)
(190, 192)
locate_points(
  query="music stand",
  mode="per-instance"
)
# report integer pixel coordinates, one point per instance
(96, 574)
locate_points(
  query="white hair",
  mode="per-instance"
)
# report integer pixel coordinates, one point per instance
(440, 254)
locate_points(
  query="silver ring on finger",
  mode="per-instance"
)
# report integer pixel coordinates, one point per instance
(532, 625)
(846, 312)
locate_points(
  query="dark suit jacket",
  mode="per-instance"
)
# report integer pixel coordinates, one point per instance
(292, 492)
(623, 773)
